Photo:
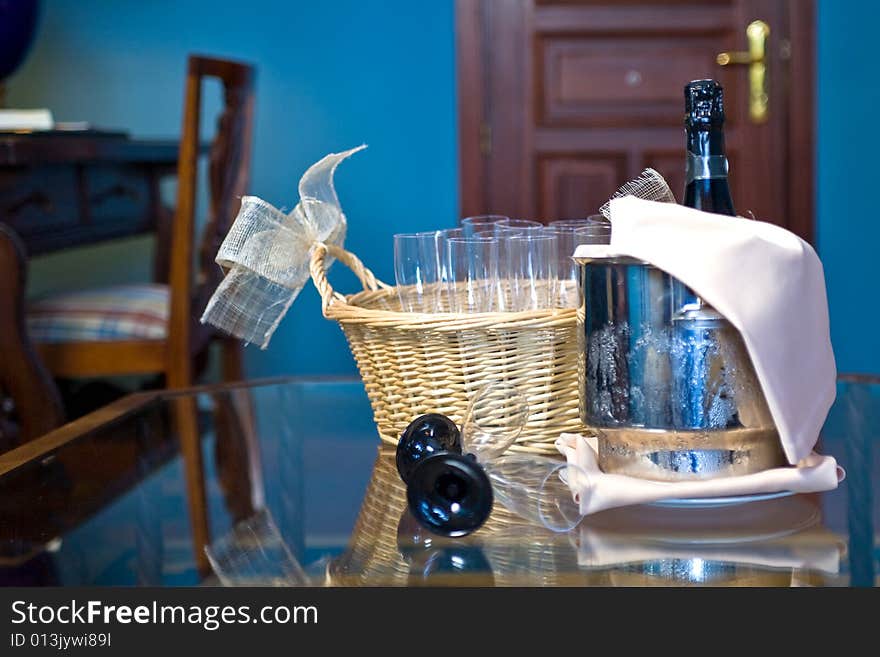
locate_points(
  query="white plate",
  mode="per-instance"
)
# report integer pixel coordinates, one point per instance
(711, 502)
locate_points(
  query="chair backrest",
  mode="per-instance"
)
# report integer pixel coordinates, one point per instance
(228, 177)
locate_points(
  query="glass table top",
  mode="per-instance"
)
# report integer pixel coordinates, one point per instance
(110, 500)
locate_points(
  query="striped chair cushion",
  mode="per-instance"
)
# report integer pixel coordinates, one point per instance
(123, 312)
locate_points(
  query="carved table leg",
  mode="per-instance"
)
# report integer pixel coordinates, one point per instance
(31, 396)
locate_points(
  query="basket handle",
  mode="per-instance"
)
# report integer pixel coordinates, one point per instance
(318, 270)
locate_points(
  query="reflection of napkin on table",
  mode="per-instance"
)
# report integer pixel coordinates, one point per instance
(597, 549)
(606, 491)
(766, 281)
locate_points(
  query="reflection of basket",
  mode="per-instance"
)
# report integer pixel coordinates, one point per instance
(516, 553)
(372, 554)
(414, 363)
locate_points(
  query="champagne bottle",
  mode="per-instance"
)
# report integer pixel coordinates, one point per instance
(704, 397)
(706, 186)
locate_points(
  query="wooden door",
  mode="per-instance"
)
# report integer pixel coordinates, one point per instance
(560, 102)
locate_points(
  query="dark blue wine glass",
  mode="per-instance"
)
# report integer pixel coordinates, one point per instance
(449, 494)
(426, 436)
(432, 560)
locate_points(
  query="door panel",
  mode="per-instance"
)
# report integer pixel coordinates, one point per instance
(562, 102)
(570, 184)
(616, 81)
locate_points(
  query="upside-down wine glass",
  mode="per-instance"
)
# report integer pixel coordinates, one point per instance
(452, 494)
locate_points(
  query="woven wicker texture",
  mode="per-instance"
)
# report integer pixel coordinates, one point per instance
(415, 363)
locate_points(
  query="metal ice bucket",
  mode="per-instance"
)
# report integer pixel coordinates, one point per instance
(665, 380)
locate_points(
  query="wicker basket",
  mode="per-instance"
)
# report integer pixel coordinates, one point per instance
(415, 363)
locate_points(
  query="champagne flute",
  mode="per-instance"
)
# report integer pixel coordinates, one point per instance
(494, 420)
(570, 234)
(534, 487)
(417, 271)
(538, 488)
(472, 269)
(506, 227)
(592, 220)
(531, 270)
(481, 222)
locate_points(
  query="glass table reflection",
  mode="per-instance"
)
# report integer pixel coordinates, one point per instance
(107, 500)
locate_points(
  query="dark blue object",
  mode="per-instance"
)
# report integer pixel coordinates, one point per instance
(426, 436)
(18, 24)
(449, 494)
(431, 560)
(441, 566)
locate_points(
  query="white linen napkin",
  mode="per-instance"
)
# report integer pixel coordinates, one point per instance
(765, 280)
(600, 490)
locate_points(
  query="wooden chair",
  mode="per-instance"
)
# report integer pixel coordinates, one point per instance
(155, 328)
(162, 319)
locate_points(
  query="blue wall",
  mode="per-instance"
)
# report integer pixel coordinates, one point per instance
(335, 74)
(848, 219)
(331, 75)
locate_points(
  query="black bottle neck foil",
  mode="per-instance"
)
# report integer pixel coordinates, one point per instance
(706, 186)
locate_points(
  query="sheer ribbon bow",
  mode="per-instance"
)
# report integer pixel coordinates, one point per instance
(267, 254)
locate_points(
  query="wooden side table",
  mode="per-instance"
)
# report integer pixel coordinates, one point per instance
(58, 190)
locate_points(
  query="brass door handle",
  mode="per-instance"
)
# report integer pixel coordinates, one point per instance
(756, 59)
